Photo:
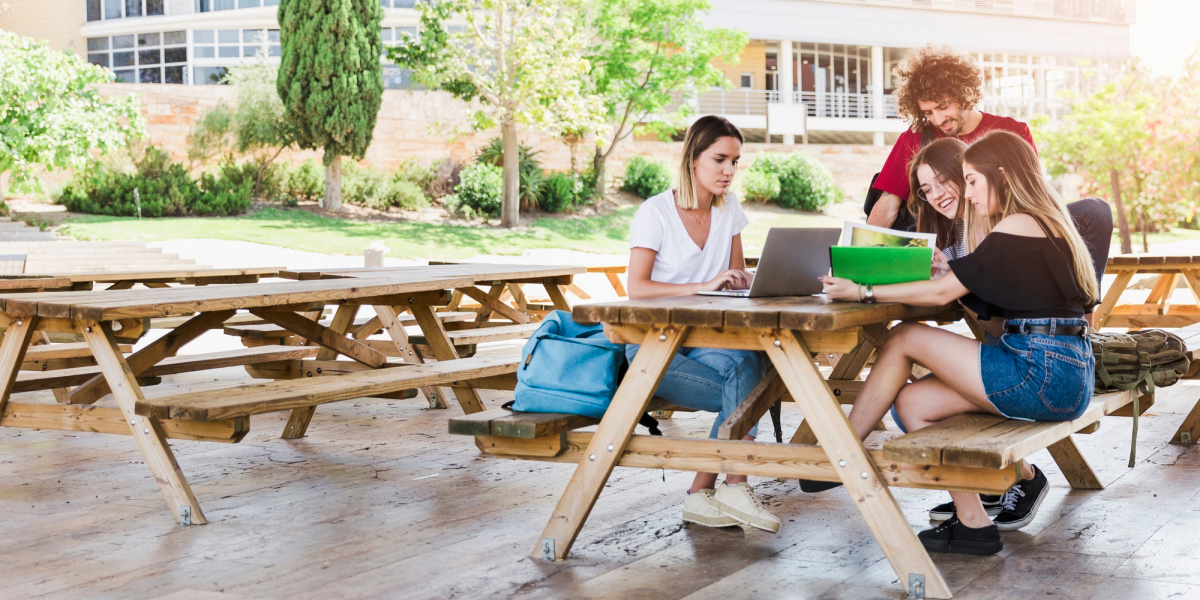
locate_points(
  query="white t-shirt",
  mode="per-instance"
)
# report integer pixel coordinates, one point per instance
(659, 227)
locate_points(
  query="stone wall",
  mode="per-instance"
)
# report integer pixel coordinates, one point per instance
(432, 125)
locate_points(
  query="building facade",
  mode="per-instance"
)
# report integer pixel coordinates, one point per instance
(832, 57)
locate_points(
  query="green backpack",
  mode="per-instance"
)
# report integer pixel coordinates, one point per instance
(1139, 361)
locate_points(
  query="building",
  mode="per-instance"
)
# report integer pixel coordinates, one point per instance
(834, 57)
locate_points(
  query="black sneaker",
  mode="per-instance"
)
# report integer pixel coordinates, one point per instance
(1020, 503)
(941, 512)
(809, 486)
(952, 536)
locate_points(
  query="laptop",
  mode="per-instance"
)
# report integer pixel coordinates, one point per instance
(792, 259)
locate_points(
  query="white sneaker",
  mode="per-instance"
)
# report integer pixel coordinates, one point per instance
(699, 508)
(739, 502)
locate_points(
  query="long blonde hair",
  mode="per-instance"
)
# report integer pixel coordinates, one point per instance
(702, 134)
(1015, 180)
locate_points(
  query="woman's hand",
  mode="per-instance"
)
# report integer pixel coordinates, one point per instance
(941, 265)
(837, 288)
(736, 279)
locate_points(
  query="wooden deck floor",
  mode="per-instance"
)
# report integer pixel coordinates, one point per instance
(379, 502)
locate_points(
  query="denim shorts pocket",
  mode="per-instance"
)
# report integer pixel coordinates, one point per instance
(1072, 348)
(1063, 387)
(1017, 344)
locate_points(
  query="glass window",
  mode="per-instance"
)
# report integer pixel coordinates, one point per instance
(149, 57)
(228, 36)
(149, 39)
(133, 8)
(249, 3)
(122, 59)
(250, 50)
(270, 2)
(93, 10)
(385, 3)
(275, 50)
(208, 75)
(223, 4)
(97, 43)
(252, 36)
(175, 55)
(122, 41)
(98, 59)
(387, 34)
(171, 38)
(205, 52)
(154, 7)
(173, 74)
(150, 75)
(124, 76)
(273, 36)
(401, 32)
(403, 3)
(203, 36)
(112, 9)
(228, 51)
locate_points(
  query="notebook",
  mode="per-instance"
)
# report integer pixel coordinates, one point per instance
(880, 265)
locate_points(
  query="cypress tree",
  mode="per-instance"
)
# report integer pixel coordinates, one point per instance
(331, 79)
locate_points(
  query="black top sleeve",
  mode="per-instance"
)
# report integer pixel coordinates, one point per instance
(1020, 277)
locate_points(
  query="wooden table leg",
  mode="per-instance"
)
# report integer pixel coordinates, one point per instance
(298, 422)
(858, 472)
(148, 432)
(609, 442)
(1073, 465)
(556, 296)
(41, 338)
(12, 353)
(1104, 311)
(495, 305)
(1188, 432)
(485, 313)
(1160, 294)
(443, 349)
(616, 284)
(390, 318)
(1192, 277)
(848, 367)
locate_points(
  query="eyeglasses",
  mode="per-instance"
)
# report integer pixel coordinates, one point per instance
(936, 189)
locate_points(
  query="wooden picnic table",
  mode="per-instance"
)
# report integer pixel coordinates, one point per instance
(1157, 310)
(501, 279)
(123, 280)
(95, 315)
(790, 331)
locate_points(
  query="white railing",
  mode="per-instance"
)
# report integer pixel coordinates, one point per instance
(736, 102)
(1108, 11)
(824, 104)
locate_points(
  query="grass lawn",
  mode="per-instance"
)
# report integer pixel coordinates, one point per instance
(314, 233)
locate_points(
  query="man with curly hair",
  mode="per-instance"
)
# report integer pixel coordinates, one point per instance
(937, 92)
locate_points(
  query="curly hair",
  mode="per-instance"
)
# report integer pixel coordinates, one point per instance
(932, 73)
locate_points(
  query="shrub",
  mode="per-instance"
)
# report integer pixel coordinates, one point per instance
(366, 186)
(407, 195)
(455, 207)
(305, 181)
(804, 183)
(645, 178)
(157, 187)
(558, 193)
(529, 169)
(760, 187)
(481, 188)
(410, 170)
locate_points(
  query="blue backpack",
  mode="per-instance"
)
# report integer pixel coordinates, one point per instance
(568, 368)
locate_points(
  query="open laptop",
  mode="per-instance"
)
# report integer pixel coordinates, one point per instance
(792, 259)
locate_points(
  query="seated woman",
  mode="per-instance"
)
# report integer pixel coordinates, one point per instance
(1032, 270)
(683, 241)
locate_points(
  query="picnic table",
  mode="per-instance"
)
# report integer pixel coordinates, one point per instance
(1157, 310)
(222, 414)
(976, 453)
(157, 278)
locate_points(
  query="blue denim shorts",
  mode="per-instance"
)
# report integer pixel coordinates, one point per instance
(1038, 377)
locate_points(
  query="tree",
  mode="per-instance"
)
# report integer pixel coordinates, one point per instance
(331, 79)
(523, 60)
(52, 115)
(648, 55)
(256, 125)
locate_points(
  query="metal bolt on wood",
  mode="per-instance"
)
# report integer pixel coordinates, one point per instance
(146, 431)
(662, 337)
(778, 343)
(610, 447)
(841, 463)
(863, 474)
(591, 457)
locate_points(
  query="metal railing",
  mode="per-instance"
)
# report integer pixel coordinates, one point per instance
(1108, 11)
(839, 105)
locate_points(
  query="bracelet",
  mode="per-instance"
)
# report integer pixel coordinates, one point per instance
(860, 292)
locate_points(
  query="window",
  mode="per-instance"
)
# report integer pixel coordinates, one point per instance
(398, 3)
(142, 58)
(93, 10)
(747, 81)
(215, 5)
(117, 9)
(208, 75)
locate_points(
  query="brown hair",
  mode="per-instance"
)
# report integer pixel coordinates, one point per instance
(932, 74)
(702, 134)
(944, 156)
(1014, 177)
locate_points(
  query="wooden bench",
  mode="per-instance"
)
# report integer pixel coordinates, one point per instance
(61, 356)
(487, 372)
(992, 442)
(269, 331)
(1189, 429)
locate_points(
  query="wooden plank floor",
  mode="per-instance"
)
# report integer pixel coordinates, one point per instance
(379, 502)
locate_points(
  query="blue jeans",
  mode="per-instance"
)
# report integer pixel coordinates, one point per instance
(1038, 377)
(710, 379)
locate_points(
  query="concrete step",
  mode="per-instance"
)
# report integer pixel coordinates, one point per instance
(26, 236)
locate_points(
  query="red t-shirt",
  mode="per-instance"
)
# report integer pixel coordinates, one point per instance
(893, 178)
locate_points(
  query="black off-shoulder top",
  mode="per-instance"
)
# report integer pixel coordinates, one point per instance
(1020, 277)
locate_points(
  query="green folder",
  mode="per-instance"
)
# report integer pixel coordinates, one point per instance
(880, 265)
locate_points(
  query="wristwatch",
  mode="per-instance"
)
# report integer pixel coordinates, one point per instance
(869, 297)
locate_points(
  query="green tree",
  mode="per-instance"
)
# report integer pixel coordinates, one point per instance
(523, 60)
(51, 113)
(648, 55)
(331, 80)
(255, 125)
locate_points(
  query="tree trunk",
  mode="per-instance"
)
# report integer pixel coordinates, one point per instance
(1145, 226)
(510, 206)
(1122, 220)
(333, 184)
(598, 165)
